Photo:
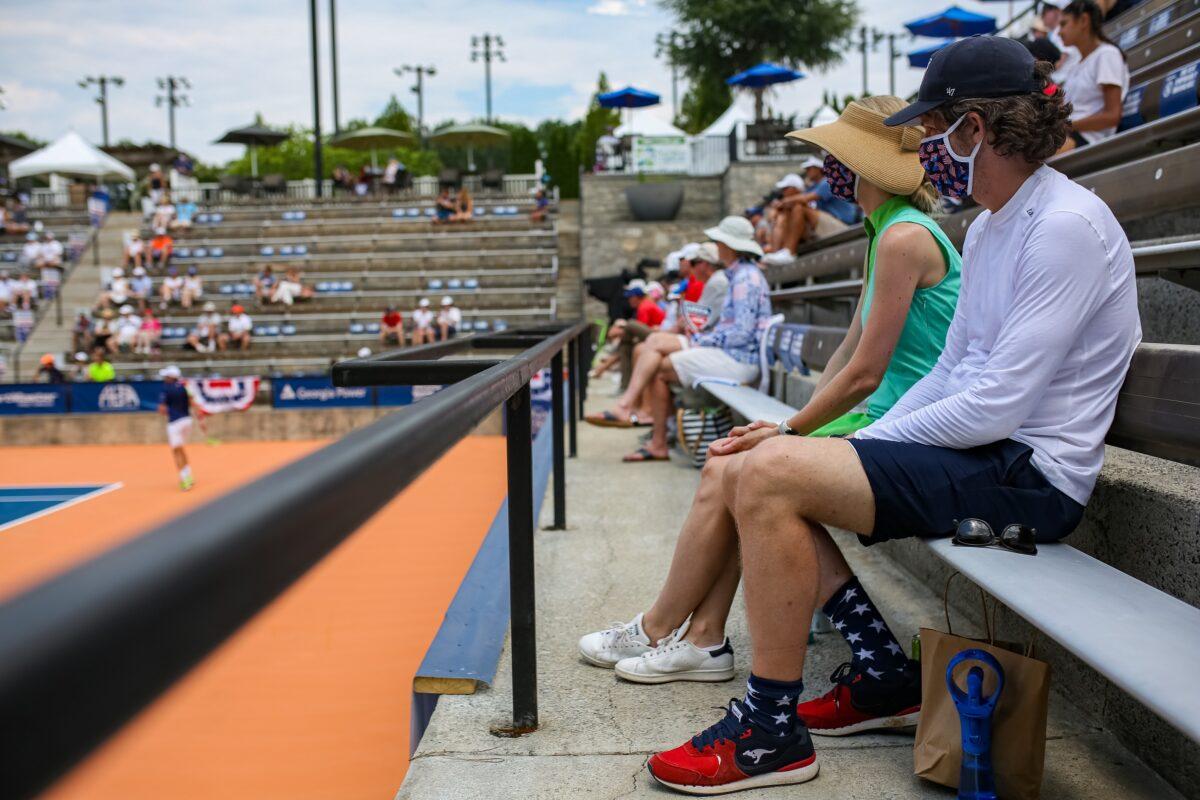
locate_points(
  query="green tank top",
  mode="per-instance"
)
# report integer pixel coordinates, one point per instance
(924, 334)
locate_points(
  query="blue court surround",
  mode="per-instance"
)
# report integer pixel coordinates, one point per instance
(22, 503)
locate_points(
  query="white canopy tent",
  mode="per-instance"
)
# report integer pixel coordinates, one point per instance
(733, 117)
(646, 124)
(69, 155)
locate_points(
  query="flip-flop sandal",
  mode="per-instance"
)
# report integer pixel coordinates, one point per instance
(642, 454)
(638, 422)
(608, 419)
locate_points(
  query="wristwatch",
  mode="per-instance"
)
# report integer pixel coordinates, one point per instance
(787, 430)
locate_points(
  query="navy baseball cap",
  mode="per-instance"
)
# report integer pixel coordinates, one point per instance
(978, 66)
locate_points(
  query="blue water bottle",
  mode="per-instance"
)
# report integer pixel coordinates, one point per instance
(976, 781)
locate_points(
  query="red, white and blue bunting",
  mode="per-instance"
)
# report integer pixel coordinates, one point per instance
(218, 395)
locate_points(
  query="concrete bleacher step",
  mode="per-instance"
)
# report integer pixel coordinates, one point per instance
(455, 261)
(272, 250)
(597, 732)
(274, 228)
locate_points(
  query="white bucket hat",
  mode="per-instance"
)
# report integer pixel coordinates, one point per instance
(447, 300)
(424, 302)
(737, 233)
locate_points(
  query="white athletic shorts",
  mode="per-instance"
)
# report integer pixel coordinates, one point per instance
(178, 431)
(697, 363)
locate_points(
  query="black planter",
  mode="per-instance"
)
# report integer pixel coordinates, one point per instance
(654, 202)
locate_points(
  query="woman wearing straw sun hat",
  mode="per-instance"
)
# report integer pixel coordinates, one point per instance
(910, 288)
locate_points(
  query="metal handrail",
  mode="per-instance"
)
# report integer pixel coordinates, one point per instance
(83, 652)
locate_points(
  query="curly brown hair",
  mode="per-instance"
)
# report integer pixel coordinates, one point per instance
(1032, 126)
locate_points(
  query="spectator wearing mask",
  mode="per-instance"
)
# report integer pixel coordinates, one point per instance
(1096, 86)
(391, 327)
(264, 284)
(449, 319)
(423, 323)
(141, 288)
(193, 288)
(100, 370)
(240, 327)
(206, 336)
(24, 291)
(176, 406)
(161, 247)
(49, 372)
(808, 210)
(171, 289)
(149, 333)
(135, 250)
(126, 330)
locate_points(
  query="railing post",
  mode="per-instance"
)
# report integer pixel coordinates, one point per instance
(585, 364)
(572, 391)
(520, 561)
(556, 430)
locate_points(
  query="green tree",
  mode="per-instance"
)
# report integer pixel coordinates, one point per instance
(714, 39)
(293, 158)
(596, 123)
(25, 137)
(523, 148)
(705, 100)
(560, 154)
(395, 116)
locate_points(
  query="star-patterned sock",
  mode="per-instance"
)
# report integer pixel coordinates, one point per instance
(874, 649)
(771, 705)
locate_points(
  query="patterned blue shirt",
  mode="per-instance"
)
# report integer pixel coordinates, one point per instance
(744, 315)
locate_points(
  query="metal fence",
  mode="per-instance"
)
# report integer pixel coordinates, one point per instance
(83, 652)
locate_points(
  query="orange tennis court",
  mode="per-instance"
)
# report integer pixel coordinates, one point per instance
(311, 698)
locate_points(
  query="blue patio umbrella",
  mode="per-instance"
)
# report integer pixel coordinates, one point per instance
(952, 22)
(628, 97)
(759, 77)
(920, 57)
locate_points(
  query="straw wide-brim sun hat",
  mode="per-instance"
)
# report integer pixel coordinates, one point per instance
(885, 156)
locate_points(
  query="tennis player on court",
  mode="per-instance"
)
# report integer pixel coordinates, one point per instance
(177, 407)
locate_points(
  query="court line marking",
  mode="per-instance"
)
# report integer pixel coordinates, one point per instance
(112, 487)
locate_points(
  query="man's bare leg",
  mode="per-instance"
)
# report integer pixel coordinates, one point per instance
(787, 489)
(660, 402)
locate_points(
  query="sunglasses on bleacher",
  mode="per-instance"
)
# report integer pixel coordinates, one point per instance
(973, 532)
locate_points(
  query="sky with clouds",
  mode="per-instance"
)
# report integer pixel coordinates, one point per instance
(243, 58)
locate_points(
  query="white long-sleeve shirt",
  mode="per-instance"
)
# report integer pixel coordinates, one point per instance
(1042, 336)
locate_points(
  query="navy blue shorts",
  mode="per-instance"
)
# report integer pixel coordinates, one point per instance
(921, 490)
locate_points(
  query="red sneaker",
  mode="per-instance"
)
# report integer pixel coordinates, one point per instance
(735, 754)
(862, 701)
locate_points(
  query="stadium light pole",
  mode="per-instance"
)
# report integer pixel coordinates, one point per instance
(337, 126)
(172, 98)
(418, 89)
(318, 164)
(103, 82)
(487, 48)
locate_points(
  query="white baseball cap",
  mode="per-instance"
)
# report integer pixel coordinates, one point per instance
(81, 356)
(171, 371)
(139, 271)
(810, 162)
(708, 253)
(447, 300)
(210, 306)
(636, 283)
(424, 302)
(118, 272)
(126, 309)
(690, 250)
(737, 233)
(790, 181)
(671, 262)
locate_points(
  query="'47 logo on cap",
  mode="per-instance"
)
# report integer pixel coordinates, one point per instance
(950, 91)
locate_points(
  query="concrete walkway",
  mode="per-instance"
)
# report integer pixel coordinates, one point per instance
(79, 291)
(596, 732)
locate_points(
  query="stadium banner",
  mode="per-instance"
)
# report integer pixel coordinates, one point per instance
(33, 398)
(218, 395)
(115, 397)
(318, 392)
(393, 395)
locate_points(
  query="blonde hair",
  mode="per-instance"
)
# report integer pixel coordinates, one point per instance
(925, 198)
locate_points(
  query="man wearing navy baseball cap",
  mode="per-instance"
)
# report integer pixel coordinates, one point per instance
(1007, 429)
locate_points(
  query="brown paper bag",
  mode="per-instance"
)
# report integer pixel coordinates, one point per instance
(1018, 724)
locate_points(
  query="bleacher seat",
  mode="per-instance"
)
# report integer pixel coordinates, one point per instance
(266, 250)
(200, 252)
(435, 283)
(357, 327)
(285, 250)
(183, 252)
(454, 283)
(480, 325)
(471, 283)
(373, 327)
(288, 329)
(1173, 93)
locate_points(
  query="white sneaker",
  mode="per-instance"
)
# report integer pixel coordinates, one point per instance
(678, 660)
(623, 640)
(780, 258)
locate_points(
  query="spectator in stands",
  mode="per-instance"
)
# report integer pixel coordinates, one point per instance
(125, 330)
(206, 336)
(343, 179)
(1050, 23)
(193, 288)
(31, 251)
(1042, 49)
(51, 252)
(6, 291)
(185, 212)
(291, 288)
(183, 164)
(807, 211)
(423, 323)
(164, 213)
(449, 319)
(148, 334)
(391, 174)
(155, 185)
(464, 205)
(135, 249)
(24, 291)
(49, 371)
(118, 292)
(729, 351)
(171, 290)
(16, 219)
(81, 331)
(541, 205)
(100, 370)
(240, 327)
(444, 208)
(1096, 86)
(1008, 427)
(141, 288)
(693, 319)
(161, 247)
(391, 327)
(102, 330)
(79, 370)
(264, 285)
